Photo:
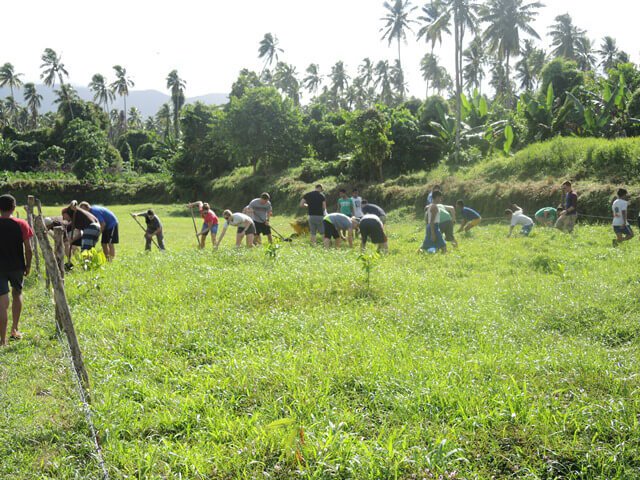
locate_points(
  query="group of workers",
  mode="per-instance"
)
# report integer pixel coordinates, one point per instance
(86, 224)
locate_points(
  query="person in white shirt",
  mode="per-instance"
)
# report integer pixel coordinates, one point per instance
(246, 227)
(517, 217)
(357, 203)
(621, 226)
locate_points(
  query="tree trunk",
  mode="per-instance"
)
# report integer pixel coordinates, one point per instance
(401, 72)
(126, 126)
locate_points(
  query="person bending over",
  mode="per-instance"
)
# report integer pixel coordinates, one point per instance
(470, 218)
(154, 227)
(81, 219)
(246, 227)
(334, 225)
(517, 217)
(108, 227)
(210, 222)
(371, 228)
(260, 211)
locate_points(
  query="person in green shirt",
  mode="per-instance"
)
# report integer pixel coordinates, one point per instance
(447, 219)
(547, 216)
(345, 204)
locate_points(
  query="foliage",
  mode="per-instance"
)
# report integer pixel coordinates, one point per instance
(264, 130)
(51, 159)
(85, 148)
(369, 134)
(563, 74)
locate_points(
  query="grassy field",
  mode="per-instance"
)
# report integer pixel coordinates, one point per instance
(506, 358)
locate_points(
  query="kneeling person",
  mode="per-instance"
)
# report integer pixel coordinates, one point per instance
(371, 227)
(334, 225)
(246, 227)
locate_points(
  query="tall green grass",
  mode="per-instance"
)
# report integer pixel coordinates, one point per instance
(505, 358)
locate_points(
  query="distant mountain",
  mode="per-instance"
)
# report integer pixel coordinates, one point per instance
(147, 101)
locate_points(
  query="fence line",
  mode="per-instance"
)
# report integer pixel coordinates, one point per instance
(54, 264)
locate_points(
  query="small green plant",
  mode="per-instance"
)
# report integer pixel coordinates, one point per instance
(368, 262)
(91, 259)
(271, 249)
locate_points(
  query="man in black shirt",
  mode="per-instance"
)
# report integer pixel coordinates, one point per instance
(154, 227)
(316, 203)
(15, 263)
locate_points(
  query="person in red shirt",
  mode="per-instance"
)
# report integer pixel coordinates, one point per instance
(210, 222)
(15, 264)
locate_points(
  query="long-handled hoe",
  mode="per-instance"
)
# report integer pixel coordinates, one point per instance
(144, 230)
(194, 227)
(280, 235)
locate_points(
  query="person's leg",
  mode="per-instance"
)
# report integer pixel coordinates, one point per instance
(105, 250)
(16, 310)
(239, 237)
(203, 239)
(312, 231)
(338, 241)
(4, 318)
(249, 239)
(147, 241)
(160, 238)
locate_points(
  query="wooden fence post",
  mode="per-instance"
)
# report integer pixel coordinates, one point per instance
(30, 204)
(63, 313)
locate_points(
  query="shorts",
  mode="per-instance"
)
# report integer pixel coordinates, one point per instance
(78, 242)
(473, 223)
(526, 229)
(316, 224)
(566, 222)
(622, 230)
(330, 231)
(206, 229)
(90, 236)
(15, 278)
(369, 228)
(110, 235)
(429, 243)
(251, 230)
(262, 228)
(447, 230)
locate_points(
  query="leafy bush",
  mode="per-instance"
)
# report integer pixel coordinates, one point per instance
(51, 159)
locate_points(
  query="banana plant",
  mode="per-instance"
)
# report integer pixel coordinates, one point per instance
(603, 115)
(547, 118)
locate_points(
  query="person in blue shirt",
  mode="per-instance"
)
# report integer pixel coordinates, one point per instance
(470, 218)
(108, 227)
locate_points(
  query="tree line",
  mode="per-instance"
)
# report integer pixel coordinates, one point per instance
(362, 126)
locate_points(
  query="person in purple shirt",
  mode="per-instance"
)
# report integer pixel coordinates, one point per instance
(108, 227)
(567, 219)
(470, 218)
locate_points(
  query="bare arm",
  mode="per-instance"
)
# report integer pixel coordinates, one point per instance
(28, 255)
(224, 230)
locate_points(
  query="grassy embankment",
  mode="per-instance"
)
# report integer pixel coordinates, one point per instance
(506, 358)
(530, 178)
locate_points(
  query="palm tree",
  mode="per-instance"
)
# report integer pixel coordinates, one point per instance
(65, 95)
(383, 81)
(313, 79)
(101, 93)
(507, 19)
(475, 59)
(176, 85)
(339, 78)
(365, 72)
(530, 66)
(464, 16)
(34, 101)
(163, 118)
(9, 77)
(429, 68)
(565, 36)
(432, 11)
(121, 87)
(608, 52)
(397, 79)
(285, 79)
(135, 118)
(584, 54)
(269, 49)
(397, 23)
(53, 67)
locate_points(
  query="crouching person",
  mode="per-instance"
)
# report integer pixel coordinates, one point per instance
(371, 227)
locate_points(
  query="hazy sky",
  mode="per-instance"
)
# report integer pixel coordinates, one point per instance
(208, 42)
